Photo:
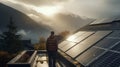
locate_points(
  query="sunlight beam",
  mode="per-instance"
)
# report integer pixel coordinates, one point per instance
(48, 10)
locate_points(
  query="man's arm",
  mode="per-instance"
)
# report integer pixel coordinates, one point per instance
(47, 44)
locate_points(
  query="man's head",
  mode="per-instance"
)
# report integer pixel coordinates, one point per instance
(52, 33)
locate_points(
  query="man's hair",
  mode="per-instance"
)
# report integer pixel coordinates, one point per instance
(52, 32)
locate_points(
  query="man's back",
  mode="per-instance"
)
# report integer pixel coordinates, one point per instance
(52, 44)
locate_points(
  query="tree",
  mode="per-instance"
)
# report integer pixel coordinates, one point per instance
(63, 35)
(11, 41)
(37, 46)
(41, 45)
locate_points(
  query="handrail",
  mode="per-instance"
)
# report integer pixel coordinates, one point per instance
(16, 58)
(32, 57)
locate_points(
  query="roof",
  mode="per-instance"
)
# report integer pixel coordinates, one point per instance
(115, 25)
(94, 45)
(104, 21)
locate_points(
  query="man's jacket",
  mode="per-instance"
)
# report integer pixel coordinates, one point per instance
(52, 44)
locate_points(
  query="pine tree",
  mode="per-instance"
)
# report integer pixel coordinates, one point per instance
(12, 41)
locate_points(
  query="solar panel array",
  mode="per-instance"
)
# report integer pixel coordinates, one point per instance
(94, 48)
(103, 21)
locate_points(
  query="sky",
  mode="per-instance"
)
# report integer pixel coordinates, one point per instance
(50, 12)
(47, 9)
(68, 15)
(87, 8)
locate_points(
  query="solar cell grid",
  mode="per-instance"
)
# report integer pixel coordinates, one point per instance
(117, 47)
(109, 59)
(89, 55)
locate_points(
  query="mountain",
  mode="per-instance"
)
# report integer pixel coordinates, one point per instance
(26, 26)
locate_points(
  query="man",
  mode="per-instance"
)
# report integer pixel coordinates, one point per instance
(52, 47)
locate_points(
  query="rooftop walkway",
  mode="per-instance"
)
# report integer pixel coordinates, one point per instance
(32, 58)
(42, 61)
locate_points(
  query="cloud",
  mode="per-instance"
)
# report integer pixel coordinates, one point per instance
(61, 22)
(41, 2)
(88, 8)
(29, 34)
(22, 32)
(94, 8)
(34, 17)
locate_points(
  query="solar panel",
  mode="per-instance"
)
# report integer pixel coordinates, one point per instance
(102, 21)
(67, 46)
(62, 44)
(82, 46)
(109, 59)
(115, 34)
(71, 44)
(117, 47)
(89, 55)
(107, 43)
(71, 38)
(85, 35)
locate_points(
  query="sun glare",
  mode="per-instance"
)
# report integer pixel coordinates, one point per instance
(48, 10)
(71, 38)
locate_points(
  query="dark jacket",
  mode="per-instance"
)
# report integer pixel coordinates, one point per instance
(52, 44)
